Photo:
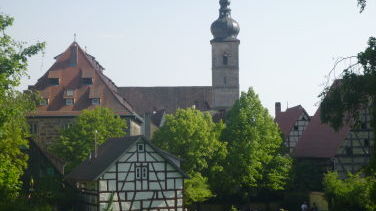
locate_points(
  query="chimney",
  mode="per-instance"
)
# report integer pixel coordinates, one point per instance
(277, 108)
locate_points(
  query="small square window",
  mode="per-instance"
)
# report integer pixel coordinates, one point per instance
(69, 101)
(140, 147)
(296, 127)
(87, 81)
(34, 128)
(53, 81)
(95, 101)
(70, 92)
(43, 102)
(67, 125)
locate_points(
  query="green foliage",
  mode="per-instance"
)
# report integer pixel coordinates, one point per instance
(307, 175)
(194, 137)
(77, 142)
(196, 189)
(13, 108)
(345, 100)
(353, 193)
(22, 204)
(256, 160)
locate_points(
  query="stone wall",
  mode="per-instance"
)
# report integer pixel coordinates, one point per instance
(47, 129)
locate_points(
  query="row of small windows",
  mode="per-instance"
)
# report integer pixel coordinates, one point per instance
(70, 101)
(56, 81)
(142, 172)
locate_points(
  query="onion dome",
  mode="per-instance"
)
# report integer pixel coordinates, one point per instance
(225, 28)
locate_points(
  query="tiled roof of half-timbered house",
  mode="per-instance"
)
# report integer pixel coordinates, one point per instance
(77, 77)
(287, 119)
(320, 140)
(108, 153)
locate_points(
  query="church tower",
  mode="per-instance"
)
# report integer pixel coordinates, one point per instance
(225, 58)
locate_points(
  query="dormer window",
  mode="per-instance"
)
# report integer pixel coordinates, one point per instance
(69, 101)
(87, 81)
(70, 92)
(95, 101)
(43, 102)
(53, 81)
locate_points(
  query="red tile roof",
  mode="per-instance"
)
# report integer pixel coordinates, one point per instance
(286, 120)
(320, 140)
(70, 67)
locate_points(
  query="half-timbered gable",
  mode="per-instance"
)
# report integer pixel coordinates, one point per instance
(357, 148)
(130, 174)
(292, 123)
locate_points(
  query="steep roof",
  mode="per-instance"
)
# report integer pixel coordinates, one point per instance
(320, 140)
(286, 120)
(157, 117)
(70, 68)
(57, 163)
(149, 99)
(109, 153)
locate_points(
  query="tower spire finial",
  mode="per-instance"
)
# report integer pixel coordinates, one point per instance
(74, 37)
(225, 10)
(225, 28)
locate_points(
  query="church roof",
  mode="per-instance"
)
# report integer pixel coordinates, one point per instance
(70, 69)
(109, 153)
(149, 99)
(287, 119)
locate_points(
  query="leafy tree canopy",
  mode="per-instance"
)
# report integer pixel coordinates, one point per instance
(256, 160)
(77, 142)
(13, 108)
(353, 193)
(194, 137)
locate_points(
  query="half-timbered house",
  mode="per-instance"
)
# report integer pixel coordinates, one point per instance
(292, 123)
(346, 150)
(129, 173)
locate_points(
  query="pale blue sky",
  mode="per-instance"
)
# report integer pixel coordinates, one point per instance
(287, 47)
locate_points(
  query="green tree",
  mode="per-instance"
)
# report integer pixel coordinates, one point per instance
(14, 106)
(256, 161)
(354, 193)
(194, 137)
(77, 142)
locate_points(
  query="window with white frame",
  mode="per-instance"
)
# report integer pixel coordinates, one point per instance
(138, 172)
(140, 147)
(142, 172)
(69, 101)
(95, 101)
(70, 92)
